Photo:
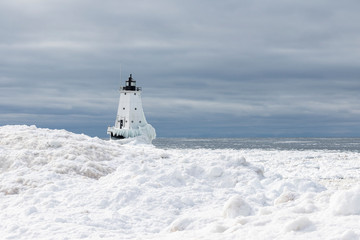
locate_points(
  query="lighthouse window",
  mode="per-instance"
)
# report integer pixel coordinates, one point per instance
(124, 93)
(132, 121)
(135, 108)
(134, 93)
(139, 121)
(123, 108)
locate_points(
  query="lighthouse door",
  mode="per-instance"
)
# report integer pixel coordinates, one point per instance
(121, 123)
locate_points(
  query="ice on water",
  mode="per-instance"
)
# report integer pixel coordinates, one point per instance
(144, 134)
(59, 185)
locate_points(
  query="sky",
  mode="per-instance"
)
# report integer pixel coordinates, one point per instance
(233, 68)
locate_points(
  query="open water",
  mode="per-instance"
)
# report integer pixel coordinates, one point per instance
(337, 144)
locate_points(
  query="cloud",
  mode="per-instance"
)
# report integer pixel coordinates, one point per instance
(263, 68)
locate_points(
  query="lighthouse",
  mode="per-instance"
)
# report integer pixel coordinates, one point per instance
(130, 119)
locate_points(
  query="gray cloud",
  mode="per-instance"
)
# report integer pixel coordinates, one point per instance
(207, 68)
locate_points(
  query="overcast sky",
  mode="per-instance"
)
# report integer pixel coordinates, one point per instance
(232, 68)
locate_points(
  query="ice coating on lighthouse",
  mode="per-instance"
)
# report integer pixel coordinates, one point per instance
(130, 119)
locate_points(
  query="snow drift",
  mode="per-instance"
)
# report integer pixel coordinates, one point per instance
(59, 185)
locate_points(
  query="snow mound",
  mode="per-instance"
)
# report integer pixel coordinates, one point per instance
(30, 154)
(235, 207)
(299, 224)
(346, 202)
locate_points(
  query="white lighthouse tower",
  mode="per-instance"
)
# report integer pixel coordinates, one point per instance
(130, 119)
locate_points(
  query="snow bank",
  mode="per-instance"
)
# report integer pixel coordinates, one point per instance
(57, 184)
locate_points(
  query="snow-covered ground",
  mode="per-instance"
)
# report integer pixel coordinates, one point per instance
(59, 185)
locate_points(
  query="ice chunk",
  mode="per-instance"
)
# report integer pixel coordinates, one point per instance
(180, 224)
(216, 172)
(349, 235)
(346, 202)
(194, 170)
(30, 210)
(235, 161)
(216, 228)
(299, 224)
(235, 207)
(285, 197)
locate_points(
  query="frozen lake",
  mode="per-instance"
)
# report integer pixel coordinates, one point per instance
(338, 144)
(56, 184)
